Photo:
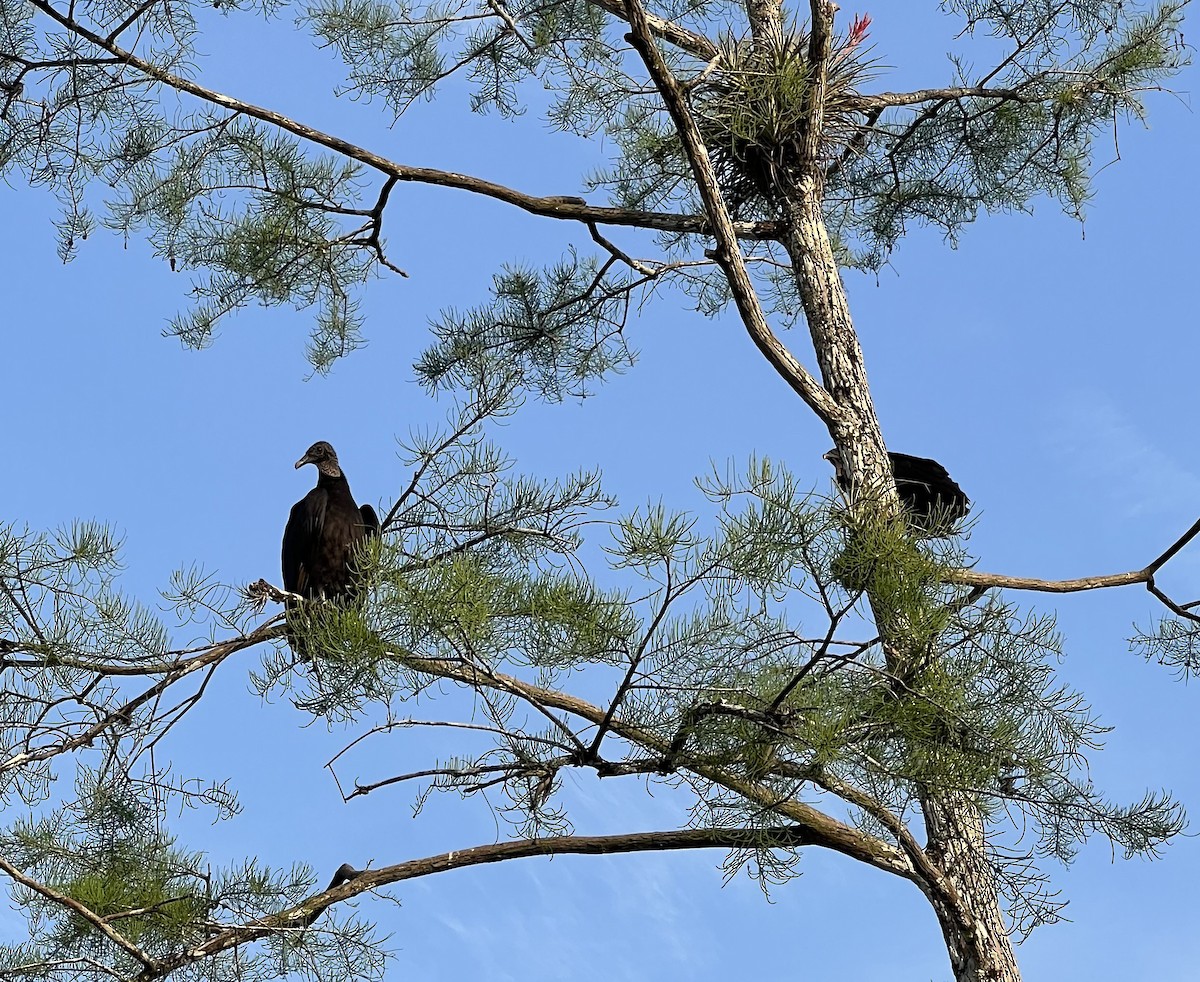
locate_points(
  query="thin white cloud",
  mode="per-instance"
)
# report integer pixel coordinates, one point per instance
(1121, 459)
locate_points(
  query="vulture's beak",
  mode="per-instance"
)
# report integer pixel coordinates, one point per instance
(302, 461)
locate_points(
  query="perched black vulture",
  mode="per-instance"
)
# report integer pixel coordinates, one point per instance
(344, 874)
(933, 500)
(322, 532)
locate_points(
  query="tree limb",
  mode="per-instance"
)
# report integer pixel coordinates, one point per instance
(685, 40)
(820, 43)
(970, 577)
(587, 845)
(546, 207)
(891, 100)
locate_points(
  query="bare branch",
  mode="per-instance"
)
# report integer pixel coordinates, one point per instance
(373, 240)
(891, 100)
(680, 37)
(635, 660)
(501, 11)
(820, 43)
(975, 578)
(931, 876)
(617, 253)
(583, 845)
(971, 577)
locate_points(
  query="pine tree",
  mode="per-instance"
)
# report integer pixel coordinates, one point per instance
(778, 650)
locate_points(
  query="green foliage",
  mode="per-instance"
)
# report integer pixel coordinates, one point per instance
(1173, 642)
(257, 216)
(553, 331)
(742, 645)
(106, 850)
(60, 617)
(1078, 67)
(255, 211)
(716, 619)
(884, 560)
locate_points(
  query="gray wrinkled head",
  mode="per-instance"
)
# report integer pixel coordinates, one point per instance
(324, 457)
(835, 458)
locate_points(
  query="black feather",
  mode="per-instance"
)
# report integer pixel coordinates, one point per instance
(345, 873)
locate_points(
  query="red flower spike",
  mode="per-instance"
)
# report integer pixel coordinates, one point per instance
(858, 30)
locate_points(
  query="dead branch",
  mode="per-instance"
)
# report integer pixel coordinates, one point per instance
(892, 100)
(694, 44)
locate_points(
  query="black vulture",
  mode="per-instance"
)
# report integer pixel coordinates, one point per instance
(322, 532)
(933, 500)
(345, 873)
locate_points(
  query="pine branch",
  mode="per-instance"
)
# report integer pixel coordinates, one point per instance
(827, 831)
(553, 206)
(123, 713)
(151, 968)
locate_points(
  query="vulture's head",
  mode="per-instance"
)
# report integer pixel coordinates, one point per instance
(839, 469)
(324, 456)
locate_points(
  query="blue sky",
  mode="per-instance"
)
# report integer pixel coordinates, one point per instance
(1050, 366)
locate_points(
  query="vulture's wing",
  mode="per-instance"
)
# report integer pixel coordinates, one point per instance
(922, 469)
(912, 482)
(302, 537)
(370, 520)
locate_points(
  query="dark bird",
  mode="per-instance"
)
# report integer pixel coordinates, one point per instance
(932, 499)
(323, 531)
(344, 874)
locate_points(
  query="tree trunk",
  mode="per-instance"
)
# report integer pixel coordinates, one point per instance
(977, 939)
(960, 883)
